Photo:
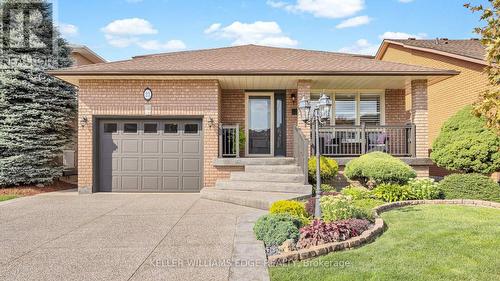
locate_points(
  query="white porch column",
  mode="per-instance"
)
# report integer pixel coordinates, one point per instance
(419, 116)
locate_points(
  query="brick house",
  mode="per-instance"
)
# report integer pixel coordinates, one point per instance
(171, 122)
(449, 96)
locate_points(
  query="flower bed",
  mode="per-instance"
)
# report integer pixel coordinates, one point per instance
(368, 235)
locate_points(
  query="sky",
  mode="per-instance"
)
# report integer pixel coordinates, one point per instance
(121, 29)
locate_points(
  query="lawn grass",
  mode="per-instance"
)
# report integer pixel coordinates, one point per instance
(427, 242)
(7, 197)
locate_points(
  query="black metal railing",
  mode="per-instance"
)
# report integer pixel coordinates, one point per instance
(301, 151)
(350, 141)
(229, 140)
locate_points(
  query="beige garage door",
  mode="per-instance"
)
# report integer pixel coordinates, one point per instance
(150, 155)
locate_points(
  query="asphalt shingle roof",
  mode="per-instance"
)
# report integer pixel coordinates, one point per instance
(251, 59)
(469, 48)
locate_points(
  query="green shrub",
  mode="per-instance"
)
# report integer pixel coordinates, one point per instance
(327, 188)
(392, 192)
(356, 193)
(379, 167)
(424, 189)
(367, 205)
(470, 186)
(465, 144)
(293, 208)
(328, 168)
(336, 208)
(274, 229)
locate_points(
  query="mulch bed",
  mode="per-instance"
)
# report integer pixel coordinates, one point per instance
(29, 190)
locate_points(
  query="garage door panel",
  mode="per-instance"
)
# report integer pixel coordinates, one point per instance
(150, 165)
(191, 147)
(150, 146)
(130, 183)
(171, 165)
(147, 157)
(151, 183)
(171, 183)
(191, 183)
(171, 147)
(191, 165)
(130, 146)
(130, 164)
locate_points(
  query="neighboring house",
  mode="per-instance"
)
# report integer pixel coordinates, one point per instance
(81, 55)
(168, 122)
(450, 95)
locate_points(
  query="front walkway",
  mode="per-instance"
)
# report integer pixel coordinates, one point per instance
(66, 236)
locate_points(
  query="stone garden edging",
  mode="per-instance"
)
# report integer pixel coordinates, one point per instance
(370, 234)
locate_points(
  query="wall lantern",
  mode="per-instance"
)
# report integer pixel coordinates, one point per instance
(210, 122)
(83, 121)
(148, 94)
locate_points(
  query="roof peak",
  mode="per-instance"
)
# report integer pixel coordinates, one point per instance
(248, 46)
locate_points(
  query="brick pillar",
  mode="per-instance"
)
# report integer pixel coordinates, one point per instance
(303, 91)
(419, 116)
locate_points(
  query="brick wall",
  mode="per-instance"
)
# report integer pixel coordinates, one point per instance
(291, 120)
(419, 116)
(304, 91)
(395, 108)
(124, 98)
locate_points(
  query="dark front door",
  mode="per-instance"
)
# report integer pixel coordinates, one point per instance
(259, 125)
(279, 124)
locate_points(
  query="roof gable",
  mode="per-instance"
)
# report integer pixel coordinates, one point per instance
(469, 50)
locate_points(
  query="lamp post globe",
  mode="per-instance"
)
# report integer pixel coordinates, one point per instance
(325, 106)
(305, 109)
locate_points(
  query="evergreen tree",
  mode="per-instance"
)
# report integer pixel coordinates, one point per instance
(36, 109)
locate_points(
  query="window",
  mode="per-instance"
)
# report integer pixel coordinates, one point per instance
(150, 128)
(191, 129)
(369, 109)
(110, 128)
(130, 128)
(355, 108)
(170, 129)
(345, 109)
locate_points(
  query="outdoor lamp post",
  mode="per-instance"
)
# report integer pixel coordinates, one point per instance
(316, 115)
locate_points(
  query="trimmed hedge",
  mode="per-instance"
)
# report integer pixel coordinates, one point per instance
(328, 168)
(379, 167)
(274, 229)
(293, 208)
(470, 186)
(465, 144)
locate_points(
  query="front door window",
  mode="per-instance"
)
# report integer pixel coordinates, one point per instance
(259, 125)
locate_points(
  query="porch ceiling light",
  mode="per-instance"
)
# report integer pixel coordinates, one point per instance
(305, 109)
(325, 106)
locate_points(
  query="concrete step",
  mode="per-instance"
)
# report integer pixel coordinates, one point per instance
(276, 169)
(253, 199)
(263, 186)
(267, 177)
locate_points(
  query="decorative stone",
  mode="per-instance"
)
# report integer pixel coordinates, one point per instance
(288, 246)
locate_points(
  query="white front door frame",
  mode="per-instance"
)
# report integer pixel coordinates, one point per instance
(257, 94)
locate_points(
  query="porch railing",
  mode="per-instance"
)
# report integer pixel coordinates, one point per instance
(350, 141)
(229, 144)
(301, 151)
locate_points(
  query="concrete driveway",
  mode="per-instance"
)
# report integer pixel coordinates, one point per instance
(104, 236)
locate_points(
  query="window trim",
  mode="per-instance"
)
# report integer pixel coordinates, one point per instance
(357, 92)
